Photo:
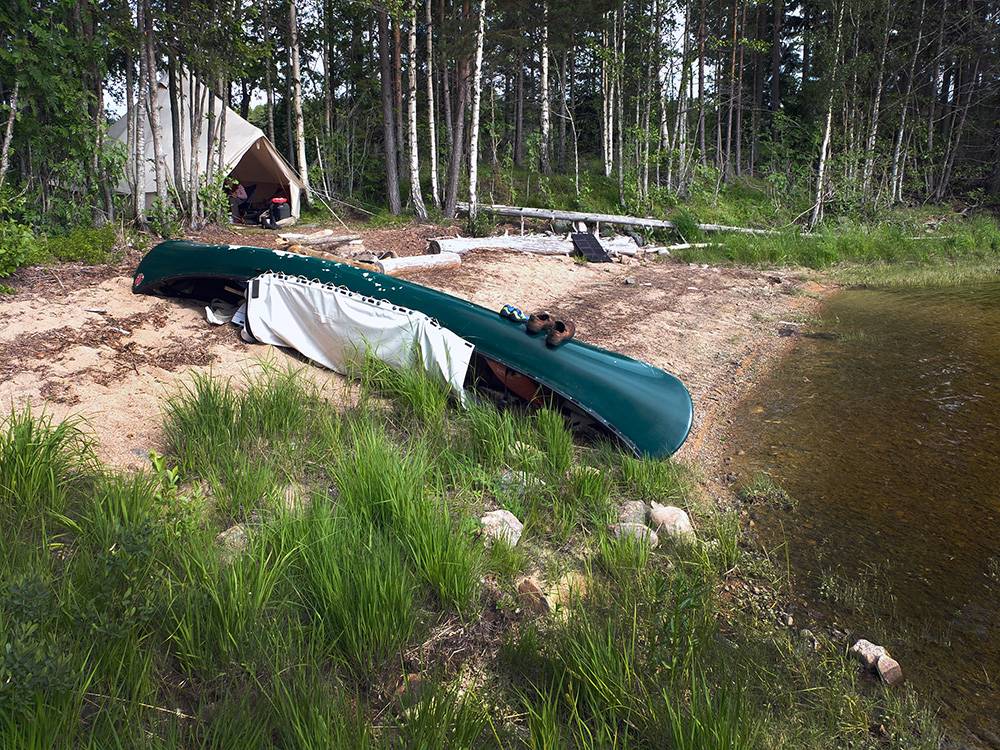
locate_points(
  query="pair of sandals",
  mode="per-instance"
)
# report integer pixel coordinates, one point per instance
(557, 332)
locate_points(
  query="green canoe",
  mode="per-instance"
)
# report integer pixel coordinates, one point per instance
(647, 408)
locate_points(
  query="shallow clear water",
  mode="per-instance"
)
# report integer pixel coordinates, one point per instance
(888, 437)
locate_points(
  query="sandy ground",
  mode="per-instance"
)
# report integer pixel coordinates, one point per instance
(75, 340)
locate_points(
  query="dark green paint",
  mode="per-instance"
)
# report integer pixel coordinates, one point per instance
(646, 407)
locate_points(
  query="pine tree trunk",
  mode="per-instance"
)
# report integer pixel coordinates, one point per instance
(897, 153)
(388, 117)
(562, 112)
(268, 82)
(300, 134)
(817, 212)
(431, 121)
(175, 86)
(411, 105)
(456, 155)
(544, 95)
(519, 112)
(397, 89)
(703, 151)
(779, 17)
(477, 79)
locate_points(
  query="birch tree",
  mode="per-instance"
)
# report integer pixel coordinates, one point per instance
(300, 133)
(824, 149)
(477, 92)
(8, 134)
(431, 122)
(411, 108)
(159, 166)
(544, 149)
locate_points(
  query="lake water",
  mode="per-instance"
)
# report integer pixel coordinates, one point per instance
(887, 434)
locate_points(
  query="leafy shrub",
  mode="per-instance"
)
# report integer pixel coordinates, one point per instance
(90, 245)
(18, 247)
(163, 219)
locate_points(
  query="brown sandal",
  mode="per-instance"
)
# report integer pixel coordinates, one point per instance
(539, 321)
(561, 332)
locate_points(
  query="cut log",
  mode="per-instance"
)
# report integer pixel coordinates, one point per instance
(538, 244)
(519, 212)
(418, 263)
(330, 239)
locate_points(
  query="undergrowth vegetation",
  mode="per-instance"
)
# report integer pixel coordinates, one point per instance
(350, 603)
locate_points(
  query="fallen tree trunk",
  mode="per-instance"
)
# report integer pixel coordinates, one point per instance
(537, 244)
(517, 212)
(322, 238)
(418, 263)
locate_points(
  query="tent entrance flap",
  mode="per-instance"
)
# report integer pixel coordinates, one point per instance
(258, 169)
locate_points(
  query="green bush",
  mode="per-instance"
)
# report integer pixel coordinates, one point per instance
(18, 247)
(90, 245)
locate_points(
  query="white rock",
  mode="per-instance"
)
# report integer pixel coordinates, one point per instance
(868, 653)
(635, 531)
(501, 524)
(632, 511)
(671, 520)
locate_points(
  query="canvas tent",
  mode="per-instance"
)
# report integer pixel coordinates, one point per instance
(249, 156)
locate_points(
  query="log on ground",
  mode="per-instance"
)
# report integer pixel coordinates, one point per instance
(537, 244)
(418, 263)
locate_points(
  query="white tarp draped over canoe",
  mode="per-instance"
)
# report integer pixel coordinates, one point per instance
(334, 327)
(250, 157)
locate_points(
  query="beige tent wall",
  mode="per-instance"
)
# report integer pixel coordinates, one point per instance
(250, 157)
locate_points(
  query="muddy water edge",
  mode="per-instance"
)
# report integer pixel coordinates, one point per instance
(883, 426)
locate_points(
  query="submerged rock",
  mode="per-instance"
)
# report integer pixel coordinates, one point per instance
(671, 520)
(632, 511)
(636, 531)
(502, 525)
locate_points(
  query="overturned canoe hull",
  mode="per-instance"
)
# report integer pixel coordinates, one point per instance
(648, 409)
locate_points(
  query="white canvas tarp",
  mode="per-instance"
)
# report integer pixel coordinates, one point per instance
(336, 327)
(249, 156)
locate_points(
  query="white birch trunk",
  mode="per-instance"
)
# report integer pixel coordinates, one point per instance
(411, 106)
(545, 115)
(300, 134)
(139, 145)
(8, 133)
(477, 86)
(431, 120)
(159, 165)
(817, 212)
(196, 104)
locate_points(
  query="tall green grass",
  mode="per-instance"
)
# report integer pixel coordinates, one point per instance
(124, 623)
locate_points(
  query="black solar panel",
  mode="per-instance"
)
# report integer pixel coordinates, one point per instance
(587, 245)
